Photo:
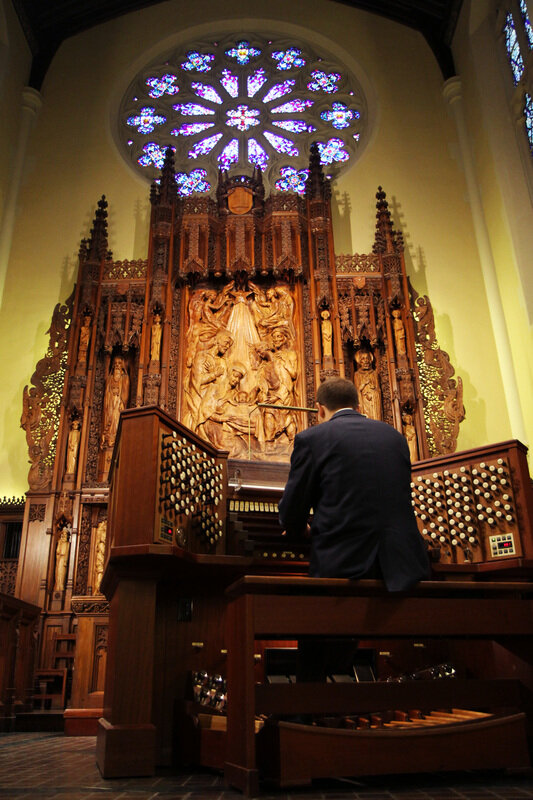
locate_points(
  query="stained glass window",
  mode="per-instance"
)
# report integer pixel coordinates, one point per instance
(190, 128)
(229, 155)
(257, 155)
(230, 82)
(242, 117)
(513, 48)
(292, 180)
(528, 115)
(292, 107)
(243, 113)
(278, 91)
(339, 115)
(198, 62)
(146, 121)
(255, 81)
(163, 85)
(153, 154)
(281, 144)
(194, 181)
(204, 146)
(206, 92)
(288, 59)
(527, 22)
(193, 109)
(242, 52)
(331, 151)
(324, 82)
(294, 125)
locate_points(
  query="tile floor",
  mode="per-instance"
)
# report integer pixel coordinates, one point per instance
(49, 766)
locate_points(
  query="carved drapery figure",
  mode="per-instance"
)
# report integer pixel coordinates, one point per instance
(326, 328)
(409, 431)
(206, 383)
(155, 338)
(99, 555)
(85, 335)
(116, 395)
(240, 352)
(233, 418)
(62, 553)
(399, 332)
(279, 372)
(72, 445)
(367, 383)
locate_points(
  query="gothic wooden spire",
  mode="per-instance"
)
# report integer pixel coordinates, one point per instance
(316, 186)
(97, 245)
(167, 187)
(387, 239)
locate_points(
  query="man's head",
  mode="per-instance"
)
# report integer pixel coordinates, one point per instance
(224, 341)
(333, 394)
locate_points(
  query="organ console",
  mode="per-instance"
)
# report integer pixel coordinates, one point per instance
(201, 523)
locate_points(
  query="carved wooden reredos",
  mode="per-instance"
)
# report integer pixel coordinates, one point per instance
(241, 301)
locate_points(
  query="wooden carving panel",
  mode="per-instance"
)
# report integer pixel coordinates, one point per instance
(243, 347)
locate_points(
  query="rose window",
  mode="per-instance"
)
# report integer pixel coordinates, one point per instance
(239, 104)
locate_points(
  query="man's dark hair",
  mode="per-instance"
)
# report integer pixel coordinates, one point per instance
(337, 393)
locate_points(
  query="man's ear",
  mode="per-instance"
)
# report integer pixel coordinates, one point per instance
(321, 412)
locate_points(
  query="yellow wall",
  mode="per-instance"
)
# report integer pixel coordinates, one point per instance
(499, 166)
(73, 160)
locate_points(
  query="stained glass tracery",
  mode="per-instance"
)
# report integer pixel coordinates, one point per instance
(288, 59)
(513, 48)
(231, 110)
(292, 180)
(527, 22)
(198, 62)
(243, 52)
(163, 85)
(193, 181)
(324, 82)
(528, 115)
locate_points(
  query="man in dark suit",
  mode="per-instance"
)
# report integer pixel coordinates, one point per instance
(355, 473)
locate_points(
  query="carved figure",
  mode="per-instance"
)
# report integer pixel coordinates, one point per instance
(206, 383)
(155, 339)
(99, 555)
(399, 332)
(85, 335)
(203, 322)
(279, 373)
(409, 431)
(72, 445)
(326, 328)
(116, 395)
(367, 383)
(233, 418)
(240, 352)
(62, 552)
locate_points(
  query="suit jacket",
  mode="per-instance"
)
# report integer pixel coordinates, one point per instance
(355, 473)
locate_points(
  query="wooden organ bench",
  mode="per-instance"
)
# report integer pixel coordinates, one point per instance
(278, 608)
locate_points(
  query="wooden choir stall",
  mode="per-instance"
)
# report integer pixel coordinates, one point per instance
(160, 426)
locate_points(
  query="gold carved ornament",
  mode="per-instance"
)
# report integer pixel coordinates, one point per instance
(41, 402)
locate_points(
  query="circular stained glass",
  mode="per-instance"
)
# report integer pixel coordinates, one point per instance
(240, 103)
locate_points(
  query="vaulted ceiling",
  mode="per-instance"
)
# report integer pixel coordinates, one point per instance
(47, 24)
